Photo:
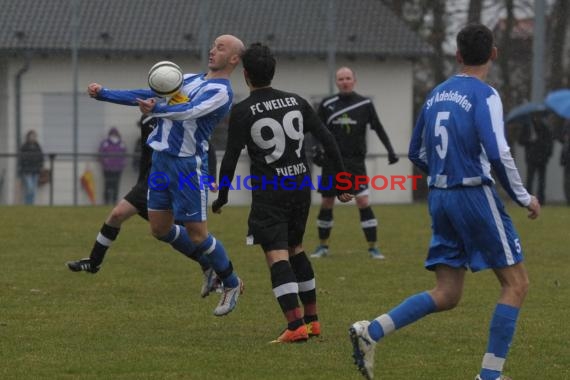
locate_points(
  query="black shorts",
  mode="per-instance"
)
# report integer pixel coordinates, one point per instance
(138, 198)
(279, 222)
(354, 167)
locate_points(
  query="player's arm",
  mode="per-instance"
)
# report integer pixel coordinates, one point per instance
(317, 152)
(206, 102)
(377, 127)
(123, 97)
(212, 161)
(417, 150)
(314, 125)
(235, 143)
(491, 131)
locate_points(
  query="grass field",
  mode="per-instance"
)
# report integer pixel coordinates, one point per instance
(141, 316)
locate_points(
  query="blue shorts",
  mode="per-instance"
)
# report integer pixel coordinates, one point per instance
(471, 229)
(179, 184)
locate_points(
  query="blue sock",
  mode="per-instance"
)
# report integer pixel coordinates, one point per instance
(501, 334)
(178, 238)
(409, 311)
(219, 260)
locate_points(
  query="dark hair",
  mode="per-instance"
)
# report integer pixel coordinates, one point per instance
(475, 44)
(259, 63)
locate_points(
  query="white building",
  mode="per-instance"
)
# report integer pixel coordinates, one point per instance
(119, 40)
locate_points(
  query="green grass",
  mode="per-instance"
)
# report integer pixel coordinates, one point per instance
(141, 316)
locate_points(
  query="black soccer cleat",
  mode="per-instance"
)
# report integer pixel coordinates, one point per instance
(83, 265)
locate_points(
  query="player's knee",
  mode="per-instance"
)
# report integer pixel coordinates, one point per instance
(448, 304)
(118, 216)
(519, 288)
(446, 299)
(159, 232)
(327, 202)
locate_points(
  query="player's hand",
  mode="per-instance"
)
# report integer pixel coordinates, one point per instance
(93, 89)
(533, 207)
(146, 105)
(345, 197)
(318, 155)
(213, 187)
(392, 158)
(218, 204)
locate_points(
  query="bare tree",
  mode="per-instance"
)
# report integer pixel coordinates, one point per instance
(559, 31)
(397, 6)
(504, 45)
(474, 11)
(437, 38)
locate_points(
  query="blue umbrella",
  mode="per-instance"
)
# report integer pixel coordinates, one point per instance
(524, 110)
(559, 102)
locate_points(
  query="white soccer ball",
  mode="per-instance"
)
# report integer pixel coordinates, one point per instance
(165, 78)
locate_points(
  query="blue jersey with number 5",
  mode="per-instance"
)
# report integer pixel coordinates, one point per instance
(459, 136)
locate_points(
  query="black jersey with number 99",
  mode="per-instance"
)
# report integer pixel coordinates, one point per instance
(272, 125)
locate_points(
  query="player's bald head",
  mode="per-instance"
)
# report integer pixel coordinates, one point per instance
(345, 71)
(234, 44)
(345, 80)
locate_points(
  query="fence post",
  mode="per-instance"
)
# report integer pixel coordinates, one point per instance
(51, 160)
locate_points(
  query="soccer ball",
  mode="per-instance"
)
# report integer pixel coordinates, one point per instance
(165, 78)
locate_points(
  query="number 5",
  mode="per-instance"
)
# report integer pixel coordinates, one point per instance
(441, 131)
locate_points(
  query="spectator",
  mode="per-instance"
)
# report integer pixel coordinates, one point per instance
(536, 136)
(113, 160)
(30, 164)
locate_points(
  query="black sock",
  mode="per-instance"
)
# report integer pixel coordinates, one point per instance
(307, 289)
(369, 224)
(325, 223)
(105, 238)
(285, 289)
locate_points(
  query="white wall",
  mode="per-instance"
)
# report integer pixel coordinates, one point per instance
(389, 83)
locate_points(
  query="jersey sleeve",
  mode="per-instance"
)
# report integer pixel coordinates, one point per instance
(124, 97)
(491, 131)
(314, 125)
(417, 150)
(205, 102)
(236, 141)
(212, 162)
(321, 113)
(377, 127)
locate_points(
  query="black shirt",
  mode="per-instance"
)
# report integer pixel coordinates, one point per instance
(145, 160)
(346, 116)
(272, 125)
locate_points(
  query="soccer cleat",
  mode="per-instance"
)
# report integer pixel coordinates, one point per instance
(229, 298)
(478, 377)
(363, 348)
(321, 251)
(376, 254)
(83, 265)
(313, 329)
(298, 335)
(209, 282)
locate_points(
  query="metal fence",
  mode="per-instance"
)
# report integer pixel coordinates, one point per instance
(56, 182)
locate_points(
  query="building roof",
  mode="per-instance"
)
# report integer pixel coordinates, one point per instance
(174, 26)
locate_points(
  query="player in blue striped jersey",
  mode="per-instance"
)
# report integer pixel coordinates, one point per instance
(459, 137)
(177, 188)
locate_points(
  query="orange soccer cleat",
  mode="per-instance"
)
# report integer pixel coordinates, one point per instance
(313, 328)
(293, 336)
